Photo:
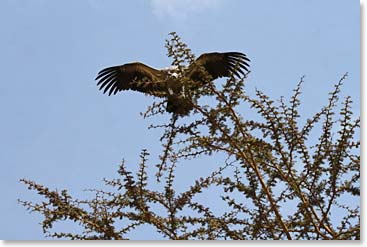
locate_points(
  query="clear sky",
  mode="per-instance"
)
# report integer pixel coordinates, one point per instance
(56, 128)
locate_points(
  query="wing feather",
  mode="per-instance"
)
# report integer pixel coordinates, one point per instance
(105, 77)
(134, 76)
(219, 65)
(105, 80)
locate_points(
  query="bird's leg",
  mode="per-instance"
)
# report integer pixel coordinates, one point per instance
(170, 91)
(183, 91)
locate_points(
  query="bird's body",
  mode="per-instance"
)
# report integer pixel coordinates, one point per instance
(166, 82)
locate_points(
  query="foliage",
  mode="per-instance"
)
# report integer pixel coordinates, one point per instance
(283, 178)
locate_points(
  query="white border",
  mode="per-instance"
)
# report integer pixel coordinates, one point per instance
(245, 243)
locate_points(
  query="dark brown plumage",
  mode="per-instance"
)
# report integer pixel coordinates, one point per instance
(162, 83)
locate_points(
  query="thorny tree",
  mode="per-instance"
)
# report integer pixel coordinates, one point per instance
(284, 177)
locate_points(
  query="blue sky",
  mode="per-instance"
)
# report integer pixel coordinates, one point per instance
(57, 129)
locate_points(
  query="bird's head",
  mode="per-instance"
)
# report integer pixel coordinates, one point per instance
(171, 70)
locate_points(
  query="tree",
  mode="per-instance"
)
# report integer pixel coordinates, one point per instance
(284, 177)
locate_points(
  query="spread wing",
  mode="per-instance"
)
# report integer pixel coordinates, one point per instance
(220, 65)
(134, 76)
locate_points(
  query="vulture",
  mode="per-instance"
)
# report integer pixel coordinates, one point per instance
(165, 82)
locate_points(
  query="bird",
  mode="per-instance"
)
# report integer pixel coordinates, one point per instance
(166, 83)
